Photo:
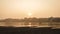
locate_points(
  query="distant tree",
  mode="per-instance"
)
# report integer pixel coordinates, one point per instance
(50, 21)
(56, 20)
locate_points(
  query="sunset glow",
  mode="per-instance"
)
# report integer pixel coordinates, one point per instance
(22, 8)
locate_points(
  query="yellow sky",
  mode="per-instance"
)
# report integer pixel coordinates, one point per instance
(22, 8)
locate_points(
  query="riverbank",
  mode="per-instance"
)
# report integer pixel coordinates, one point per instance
(28, 30)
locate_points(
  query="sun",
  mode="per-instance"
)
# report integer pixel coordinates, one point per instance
(29, 14)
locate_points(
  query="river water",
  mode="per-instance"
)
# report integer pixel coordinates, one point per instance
(30, 24)
(22, 23)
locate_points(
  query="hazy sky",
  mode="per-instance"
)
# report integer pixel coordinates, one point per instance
(22, 8)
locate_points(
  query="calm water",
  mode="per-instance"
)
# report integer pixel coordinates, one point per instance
(30, 24)
(21, 23)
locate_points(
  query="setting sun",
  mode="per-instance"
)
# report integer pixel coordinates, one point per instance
(29, 14)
